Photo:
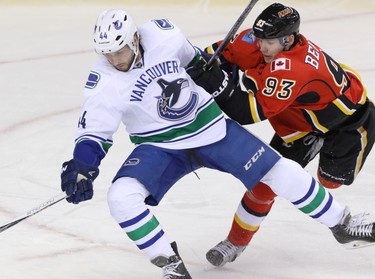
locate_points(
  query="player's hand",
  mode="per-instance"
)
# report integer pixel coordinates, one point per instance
(77, 180)
(213, 79)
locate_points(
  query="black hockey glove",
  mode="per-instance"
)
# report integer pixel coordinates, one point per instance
(76, 180)
(214, 80)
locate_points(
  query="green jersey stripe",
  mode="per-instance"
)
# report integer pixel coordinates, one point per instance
(105, 145)
(203, 118)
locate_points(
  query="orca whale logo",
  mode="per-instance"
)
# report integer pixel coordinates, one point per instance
(170, 95)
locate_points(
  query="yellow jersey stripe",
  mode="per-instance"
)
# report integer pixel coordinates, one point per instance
(294, 136)
(338, 103)
(315, 121)
(253, 108)
(362, 131)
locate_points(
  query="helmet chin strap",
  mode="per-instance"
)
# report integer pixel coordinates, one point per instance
(135, 50)
(134, 60)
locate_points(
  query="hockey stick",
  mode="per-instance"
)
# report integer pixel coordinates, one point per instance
(231, 33)
(34, 211)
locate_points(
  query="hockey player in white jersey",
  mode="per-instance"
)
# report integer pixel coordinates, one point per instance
(141, 78)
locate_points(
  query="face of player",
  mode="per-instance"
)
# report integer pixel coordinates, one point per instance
(123, 59)
(270, 48)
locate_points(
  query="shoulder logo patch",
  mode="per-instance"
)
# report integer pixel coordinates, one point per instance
(249, 37)
(164, 24)
(92, 80)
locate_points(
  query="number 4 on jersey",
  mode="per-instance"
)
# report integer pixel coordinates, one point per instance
(82, 120)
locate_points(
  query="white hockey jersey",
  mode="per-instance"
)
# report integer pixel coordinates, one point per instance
(158, 102)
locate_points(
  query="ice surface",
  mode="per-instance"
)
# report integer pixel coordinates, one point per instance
(45, 57)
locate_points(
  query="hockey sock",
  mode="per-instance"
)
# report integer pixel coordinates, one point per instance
(254, 207)
(126, 203)
(146, 232)
(319, 204)
(288, 180)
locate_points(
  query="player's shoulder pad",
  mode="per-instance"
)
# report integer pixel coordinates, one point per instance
(248, 36)
(100, 71)
(92, 80)
(163, 24)
(156, 31)
(159, 26)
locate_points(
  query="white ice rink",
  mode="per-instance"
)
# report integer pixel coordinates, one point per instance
(45, 56)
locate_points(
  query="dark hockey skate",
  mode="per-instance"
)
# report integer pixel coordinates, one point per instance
(354, 231)
(224, 252)
(173, 267)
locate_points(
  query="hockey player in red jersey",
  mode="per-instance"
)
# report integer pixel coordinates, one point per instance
(314, 104)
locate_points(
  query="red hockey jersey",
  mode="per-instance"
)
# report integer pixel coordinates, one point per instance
(300, 91)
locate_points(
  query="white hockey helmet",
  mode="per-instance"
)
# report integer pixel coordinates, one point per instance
(114, 29)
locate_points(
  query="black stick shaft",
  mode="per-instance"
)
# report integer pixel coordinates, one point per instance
(34, 211)
(232, 32)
